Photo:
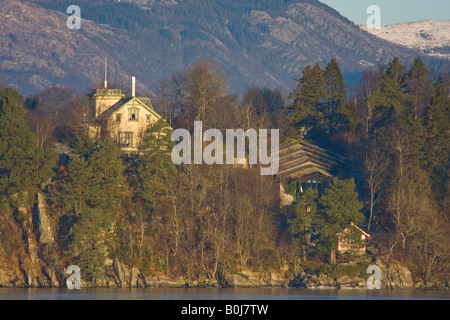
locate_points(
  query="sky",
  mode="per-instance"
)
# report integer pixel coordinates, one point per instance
(392, 11)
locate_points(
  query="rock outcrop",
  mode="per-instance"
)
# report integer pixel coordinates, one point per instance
(43, 221)
(249, 279)
(304, 280)
(394, 275)
(350, 282)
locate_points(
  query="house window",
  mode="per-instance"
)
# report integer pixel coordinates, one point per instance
(148, 118)
(125, 139)
(133, 114)
(316, 184)
(118, 118)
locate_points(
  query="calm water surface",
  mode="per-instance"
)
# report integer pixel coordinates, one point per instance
(220, 294)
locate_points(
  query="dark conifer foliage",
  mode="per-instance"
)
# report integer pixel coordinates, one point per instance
(23, 165)
(202, 220)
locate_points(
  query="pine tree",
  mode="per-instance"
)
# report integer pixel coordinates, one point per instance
(339, 207)
(341, 116)
(437, 146)
(23, 165)
(155, 167)
(88, 245)
(307, 110)
(84, 145)
(108, 181)
(392, 104)
(157, 175)
(93, 194)
(74, 192)
(396, 72)
(419, 85)
(335, 92)
(305, 208)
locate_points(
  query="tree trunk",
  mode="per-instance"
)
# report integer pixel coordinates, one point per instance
(333, 256)
(371, 211)
(304, 252)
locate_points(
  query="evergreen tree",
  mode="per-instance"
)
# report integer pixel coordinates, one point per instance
(94, 194)
(339, 207)
(74, 192)
(23, 165)
(84, 145)
(305, 208)
(419, 85)
(88, 246)
(396, 72)
(307, 110)
(335, 93)
(342, 116)
(157, 175)
(392, 104)
(437, 146)
(345, 119)
(156, 169)
(107, 183)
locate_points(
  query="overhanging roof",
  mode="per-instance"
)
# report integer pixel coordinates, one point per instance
(300, 159)
(122, 103)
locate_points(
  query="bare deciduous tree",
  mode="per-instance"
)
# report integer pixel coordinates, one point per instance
(375, 166)
(410, 198)
(430, 249)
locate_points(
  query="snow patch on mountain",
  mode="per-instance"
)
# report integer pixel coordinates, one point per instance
(432, 37)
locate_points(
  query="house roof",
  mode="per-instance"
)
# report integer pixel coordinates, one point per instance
(357, 228)
(300, 159)
(361, 230)
(127, 101)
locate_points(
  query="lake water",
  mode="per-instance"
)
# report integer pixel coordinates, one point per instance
(221, 303)
(198, 294)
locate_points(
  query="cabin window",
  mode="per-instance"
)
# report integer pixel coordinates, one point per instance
(125, 139)
(315, 184)
(133, 114)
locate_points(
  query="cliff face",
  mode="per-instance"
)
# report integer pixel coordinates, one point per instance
(27, 255)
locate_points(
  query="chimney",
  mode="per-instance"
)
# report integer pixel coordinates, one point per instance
(106, 66)
(133, 87)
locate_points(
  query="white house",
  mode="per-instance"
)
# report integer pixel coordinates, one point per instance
(122, 119)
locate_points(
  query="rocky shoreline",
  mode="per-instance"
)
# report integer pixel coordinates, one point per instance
(38, 264)
(395, 276)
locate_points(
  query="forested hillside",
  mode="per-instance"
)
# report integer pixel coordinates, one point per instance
(107, 213)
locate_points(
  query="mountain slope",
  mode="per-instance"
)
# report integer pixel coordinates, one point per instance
(256, 42)
(432, 37)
